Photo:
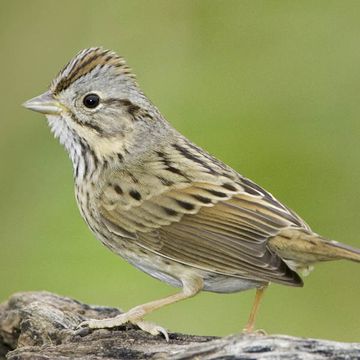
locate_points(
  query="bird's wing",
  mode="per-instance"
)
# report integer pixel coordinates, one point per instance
(219, 222)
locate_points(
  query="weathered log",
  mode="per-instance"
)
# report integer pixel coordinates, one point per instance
(41, 325)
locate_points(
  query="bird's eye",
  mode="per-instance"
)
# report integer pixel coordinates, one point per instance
(91, 101)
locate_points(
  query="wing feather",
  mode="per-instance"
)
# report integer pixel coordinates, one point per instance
(219, 222)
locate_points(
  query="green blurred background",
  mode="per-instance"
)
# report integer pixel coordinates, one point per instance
(270, 87)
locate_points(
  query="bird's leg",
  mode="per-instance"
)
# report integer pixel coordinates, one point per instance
(135, 315)
(249, 328)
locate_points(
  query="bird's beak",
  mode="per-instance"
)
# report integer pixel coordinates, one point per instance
(44, 103)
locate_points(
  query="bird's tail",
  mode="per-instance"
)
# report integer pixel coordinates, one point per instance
(301, 246)
(337, 250)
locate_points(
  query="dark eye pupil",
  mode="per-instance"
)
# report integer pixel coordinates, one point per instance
(91, 101)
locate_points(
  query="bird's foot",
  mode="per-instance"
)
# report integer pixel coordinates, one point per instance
(251, 331)
(122, 319)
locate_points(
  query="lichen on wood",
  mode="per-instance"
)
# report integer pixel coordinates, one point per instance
(41, 325)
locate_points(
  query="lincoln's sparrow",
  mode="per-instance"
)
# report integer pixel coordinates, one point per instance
(162, 203)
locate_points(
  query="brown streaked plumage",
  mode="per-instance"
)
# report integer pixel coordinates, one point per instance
(164, 204)
(86, 62)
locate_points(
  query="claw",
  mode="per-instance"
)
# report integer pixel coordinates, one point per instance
(119, 320)
(259, 332)
(152, 328)
(82, 325)
(82, 331)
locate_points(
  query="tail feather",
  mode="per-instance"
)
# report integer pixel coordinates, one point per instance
(343, 251)
(306, 248)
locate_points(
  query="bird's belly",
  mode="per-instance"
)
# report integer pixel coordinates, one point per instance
(172, 272)
(228, 284)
